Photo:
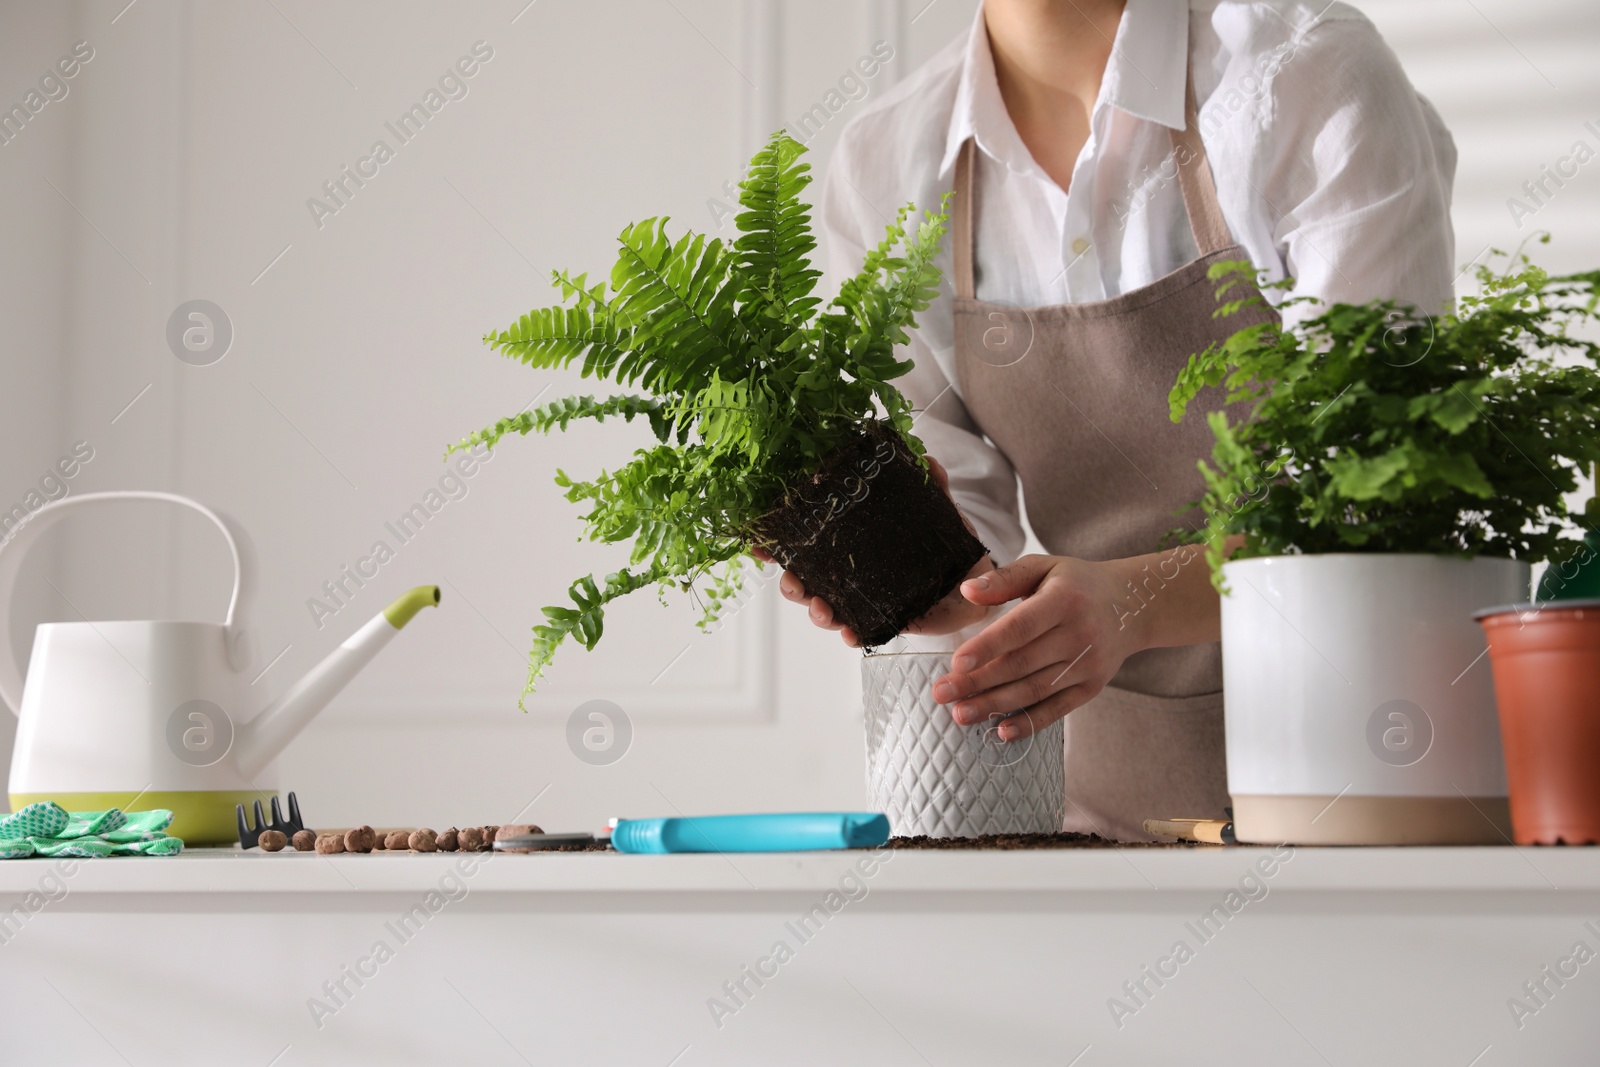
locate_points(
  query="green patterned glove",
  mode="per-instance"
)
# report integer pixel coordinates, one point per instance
(47, 829)
(44, 819)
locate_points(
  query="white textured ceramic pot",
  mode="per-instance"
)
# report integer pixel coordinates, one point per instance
(1359, 702)
(931, 776)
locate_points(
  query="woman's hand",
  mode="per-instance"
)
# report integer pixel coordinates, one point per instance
(1052, 653)
(1077, 622)
(954, 612)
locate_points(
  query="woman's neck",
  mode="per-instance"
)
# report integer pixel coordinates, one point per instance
(1049, 57)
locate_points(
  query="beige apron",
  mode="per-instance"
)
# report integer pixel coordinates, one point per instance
(1082, 415)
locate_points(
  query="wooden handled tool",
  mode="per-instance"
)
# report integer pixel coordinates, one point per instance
(1206, 831)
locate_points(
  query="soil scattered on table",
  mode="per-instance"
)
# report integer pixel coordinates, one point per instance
(1062, 839)
(985, 841)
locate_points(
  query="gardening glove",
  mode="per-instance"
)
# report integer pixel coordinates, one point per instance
(93, 823)
(46, 829)
(43, 819)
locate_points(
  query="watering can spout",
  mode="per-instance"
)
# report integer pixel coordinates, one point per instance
(267, 734)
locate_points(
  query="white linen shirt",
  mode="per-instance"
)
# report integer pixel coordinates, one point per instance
(1329, 168)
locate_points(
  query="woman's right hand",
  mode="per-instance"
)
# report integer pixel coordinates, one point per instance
(954, 612)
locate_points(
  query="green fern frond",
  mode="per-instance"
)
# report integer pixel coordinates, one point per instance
(775, 231)
(749, 382)
(555, 336)
(558, 413)
(674, 297)
(584, 622)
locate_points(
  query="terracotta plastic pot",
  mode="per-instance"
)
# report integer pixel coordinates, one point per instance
(1546, 661)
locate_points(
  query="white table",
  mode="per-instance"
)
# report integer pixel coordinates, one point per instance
(1346, 957)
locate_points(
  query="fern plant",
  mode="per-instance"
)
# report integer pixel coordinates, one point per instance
(746, 379)
(1375, 428)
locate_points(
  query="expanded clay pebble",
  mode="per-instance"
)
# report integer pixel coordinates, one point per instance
(521, 829)
(366, 839)
(517, 830)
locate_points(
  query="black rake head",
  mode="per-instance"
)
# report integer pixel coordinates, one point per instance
(250, 836)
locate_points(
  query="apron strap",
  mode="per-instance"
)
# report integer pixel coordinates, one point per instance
(1195, 180)
(961, 249)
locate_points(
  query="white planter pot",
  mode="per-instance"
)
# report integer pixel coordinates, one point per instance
(931, 776)
(1359, 702)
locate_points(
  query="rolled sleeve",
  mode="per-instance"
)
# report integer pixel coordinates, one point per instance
(1357, 170)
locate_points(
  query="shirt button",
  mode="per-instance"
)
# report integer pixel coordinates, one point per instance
(1079, 246)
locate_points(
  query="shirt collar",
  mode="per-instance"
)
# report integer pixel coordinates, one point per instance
(1145, 77)
(1149, 67)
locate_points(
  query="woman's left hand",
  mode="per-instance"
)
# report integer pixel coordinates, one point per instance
(1052, 653)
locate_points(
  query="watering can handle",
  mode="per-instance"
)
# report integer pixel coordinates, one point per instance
(15, 547)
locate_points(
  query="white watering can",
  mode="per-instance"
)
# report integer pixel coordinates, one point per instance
(159, 714)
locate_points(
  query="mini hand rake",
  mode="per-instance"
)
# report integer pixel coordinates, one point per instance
(249, 836)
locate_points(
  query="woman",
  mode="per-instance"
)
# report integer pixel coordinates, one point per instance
(1103, 155)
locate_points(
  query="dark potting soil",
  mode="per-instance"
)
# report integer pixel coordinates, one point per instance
(1062, 839)
(985, 841)
(872, 534)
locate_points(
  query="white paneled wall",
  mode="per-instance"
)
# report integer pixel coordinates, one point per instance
(180, 165)
(1519, 86)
